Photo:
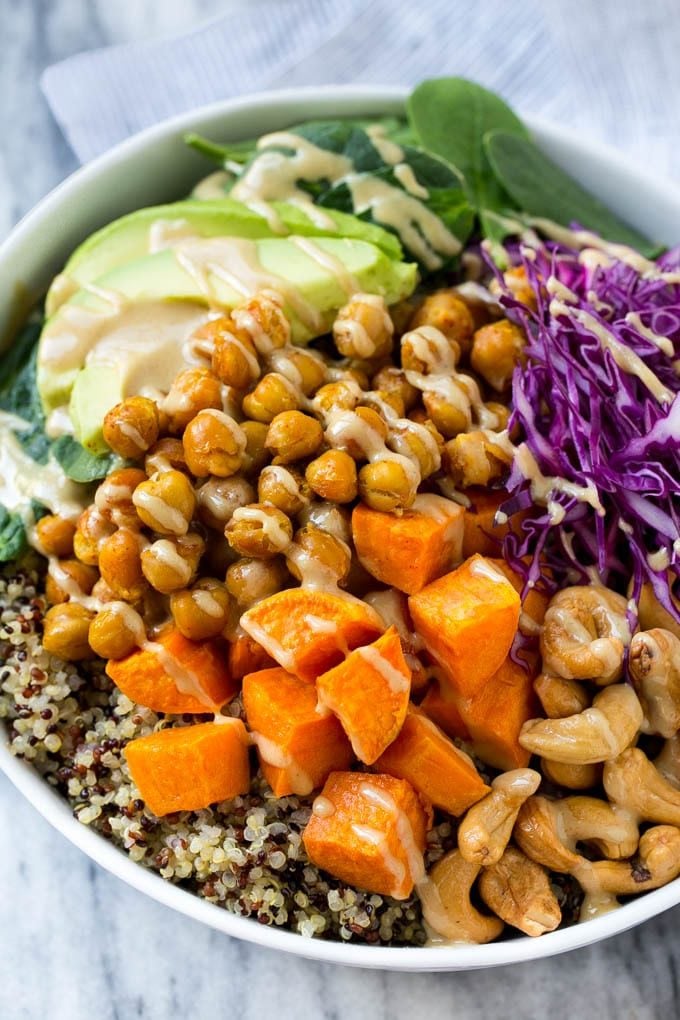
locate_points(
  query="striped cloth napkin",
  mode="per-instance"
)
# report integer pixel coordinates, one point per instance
(610, 69)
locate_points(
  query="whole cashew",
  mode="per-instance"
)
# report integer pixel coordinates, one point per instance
(668, 761)
(485, 831)
(584, 634)
(652, 614)
(553, 828)
(597, 734)
(560, 697)
(657, 862)
(447, 909)
(573, 777)
(633, 781)
(655, 670)
(518, 891)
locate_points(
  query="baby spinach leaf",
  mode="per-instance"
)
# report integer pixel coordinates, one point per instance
(234, 152)
(541, 188)
(19, 392)
(79, 464)
(12, 535)
(450, 117)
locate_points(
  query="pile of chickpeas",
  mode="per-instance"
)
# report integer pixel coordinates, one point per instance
(235, 483)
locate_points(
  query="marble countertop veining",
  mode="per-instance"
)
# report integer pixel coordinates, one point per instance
(76, 942)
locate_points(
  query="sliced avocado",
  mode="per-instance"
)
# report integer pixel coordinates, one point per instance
(132, 237)
(214, 273)
(97, 388)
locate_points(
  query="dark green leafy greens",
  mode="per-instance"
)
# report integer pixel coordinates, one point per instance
(79, 464)
(12, 535)
(539, 187)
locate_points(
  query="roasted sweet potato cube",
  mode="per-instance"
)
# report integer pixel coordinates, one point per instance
(534, 604)
(369, 693)
(246, 656)
(468, 620)
(298, 748)
(494, 717)
(308, 631)
(480, 534)
(177, 675)
(433, 765)
(409, 551)
(440, 704)
(191, 767)
(369, 831)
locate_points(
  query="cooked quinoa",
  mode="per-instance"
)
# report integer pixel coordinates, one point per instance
(245, 855)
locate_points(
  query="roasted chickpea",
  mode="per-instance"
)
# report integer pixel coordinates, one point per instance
(169, 564)
(387, 402)
(448, 313)
(102, 592)
(65, 632)
(92, 529)
(256, 454)
(359, 433)
(363, 328)
(306, 369)
(203, 611)
(116, 631)
(293, 436)
(517, 283)
(428, 351)
(472, 458)
(251, 580)
(272, 395)
(234, 358)
(265, 321)
(69, 577)
(120, 565)
(387, 485)
(213, 444)
(316, 553)
(502, 413)
(496, 351)
(393, 380)
(450, 416)
(330, 517)
(219, 497)
(166, 503)
(131, 427)
(55, 535)
(422, 444)
(258, 530)
(343, 395)
(333, 476)
(194, 390)
(282, 487)
(114, 497)
(166, 455)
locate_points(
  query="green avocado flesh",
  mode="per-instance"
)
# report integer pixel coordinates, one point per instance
(81, 359)
(132, 237)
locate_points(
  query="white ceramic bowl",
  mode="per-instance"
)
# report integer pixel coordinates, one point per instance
(156, 166)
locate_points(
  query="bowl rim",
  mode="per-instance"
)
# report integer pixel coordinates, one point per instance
(55, 808)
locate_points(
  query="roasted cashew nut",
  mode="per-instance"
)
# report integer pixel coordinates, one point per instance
(599, 733)
(447, 909)
(584, 634)
(552, 829)
(655, 670)
(667, 761)
(518, 890)
(633, 781)
(657, 862)
(485, 831)
(572, 777)
(560, 697)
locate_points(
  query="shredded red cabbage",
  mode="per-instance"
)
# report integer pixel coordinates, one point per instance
(590, 422)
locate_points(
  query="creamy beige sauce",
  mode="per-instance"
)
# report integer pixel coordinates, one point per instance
(169, 517)
(165, 233)
(23, 480)
(543, 486)
(397, 681)
(323, 807)
(274, 755)
(273, 531)
(482, 568)
(382, 799)
(406, 177)
(664, 343)
(165, 552)
(388, 150)
(214, 186)
(347, 281)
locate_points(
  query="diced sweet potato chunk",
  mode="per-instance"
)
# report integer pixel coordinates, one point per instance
(494, 717)
(246, 656)
(369, 831)
(535, 602)
(308, 631)
(191, 767)
(177, 675)
(468, 620)
(433, 765)
(369, 693)
(298, 748)
(480, 535)
(409, 551)
(440, 704)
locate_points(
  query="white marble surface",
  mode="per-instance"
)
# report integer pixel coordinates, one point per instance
(76, 943)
